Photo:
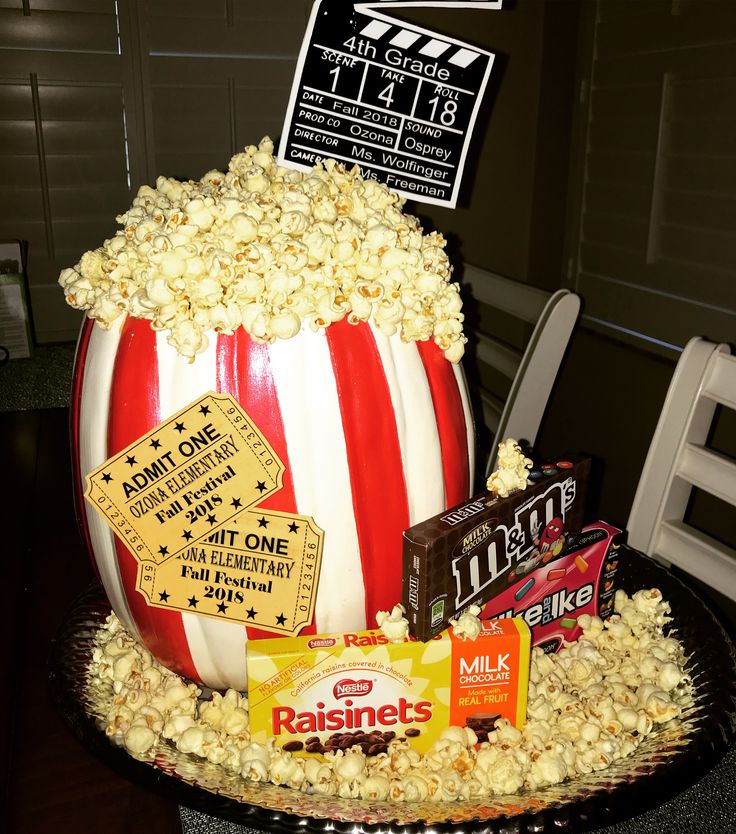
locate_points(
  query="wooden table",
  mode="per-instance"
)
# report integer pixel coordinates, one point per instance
(50, 783)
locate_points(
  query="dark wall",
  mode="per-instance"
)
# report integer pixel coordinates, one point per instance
(509, 218)
(606, 403)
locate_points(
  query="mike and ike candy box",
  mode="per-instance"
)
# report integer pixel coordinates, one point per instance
(336, 691)
(551, 596)
(474, 551)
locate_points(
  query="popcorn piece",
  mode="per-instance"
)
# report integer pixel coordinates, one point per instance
(548, 769)
(119, 719)
(402, 760)
(460, 735)
(286, 770)
(140, 739)
(394, 626)
(669, 676)
(467, 626)
(505, 775)
(414, 788)
(177, 725)
(511, 474)
(503, 482)
(228, 712)
(450, 786)
(349, 790)
(191, 740)
(254, 763)
(272, 249)
(349, 766)
(320, 776)
(375, 786)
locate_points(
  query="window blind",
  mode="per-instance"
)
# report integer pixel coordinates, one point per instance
(655, 259)
(99, 97)
(63, 171)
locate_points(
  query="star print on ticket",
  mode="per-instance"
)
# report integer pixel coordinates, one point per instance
(185, 478)
(261, 569)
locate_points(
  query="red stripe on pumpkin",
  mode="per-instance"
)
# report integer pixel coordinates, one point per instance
(244, 370)
(377, 481)
(134, 410)
(448, 410)
(80, 364)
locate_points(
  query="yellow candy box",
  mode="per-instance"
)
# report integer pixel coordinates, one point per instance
(334, 691)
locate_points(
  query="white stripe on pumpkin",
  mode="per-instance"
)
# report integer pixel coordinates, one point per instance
(310, 410)
(416, 424)
(94, 412)
(469, 423)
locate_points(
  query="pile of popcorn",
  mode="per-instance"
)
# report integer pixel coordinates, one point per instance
(271, 250)
(589, 705)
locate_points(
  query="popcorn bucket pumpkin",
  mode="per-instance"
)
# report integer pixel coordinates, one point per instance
(372, 423)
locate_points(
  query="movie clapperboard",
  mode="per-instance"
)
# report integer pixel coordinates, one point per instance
(396, 99)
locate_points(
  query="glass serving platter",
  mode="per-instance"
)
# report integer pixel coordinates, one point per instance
(667, 762)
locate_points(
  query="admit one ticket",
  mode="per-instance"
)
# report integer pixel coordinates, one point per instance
(183, 498)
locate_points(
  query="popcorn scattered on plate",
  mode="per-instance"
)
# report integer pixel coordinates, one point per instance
(273, 250)
(467, 626)
(394, 625)
(590, 704)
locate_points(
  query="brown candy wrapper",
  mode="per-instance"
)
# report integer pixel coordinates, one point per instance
(471, 552)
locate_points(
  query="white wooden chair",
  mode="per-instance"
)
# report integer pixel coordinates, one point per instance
(533, 372)
(679, 460)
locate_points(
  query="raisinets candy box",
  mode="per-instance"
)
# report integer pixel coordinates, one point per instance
(551, 596)
(470, 553)
(335, 691)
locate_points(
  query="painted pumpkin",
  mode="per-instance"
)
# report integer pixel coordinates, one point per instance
(376, 435)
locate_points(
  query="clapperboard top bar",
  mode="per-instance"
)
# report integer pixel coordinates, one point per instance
(433, 47)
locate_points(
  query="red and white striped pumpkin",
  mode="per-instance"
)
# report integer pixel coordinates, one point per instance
(376, 435)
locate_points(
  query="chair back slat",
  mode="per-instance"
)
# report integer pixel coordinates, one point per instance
(679, 460)
(512, 297)
(698, 554)
(531, 373)
(540, 364)
(720, 384)
(503, 358)
(709, 471)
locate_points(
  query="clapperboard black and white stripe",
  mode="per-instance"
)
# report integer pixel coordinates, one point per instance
(405, 39)
(395, 98)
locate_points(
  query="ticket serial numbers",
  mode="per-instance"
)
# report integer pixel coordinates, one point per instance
(184, 478)
(396, 99)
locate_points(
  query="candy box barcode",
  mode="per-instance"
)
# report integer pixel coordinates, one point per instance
(551, 596)
(334, 691)
(465, 555)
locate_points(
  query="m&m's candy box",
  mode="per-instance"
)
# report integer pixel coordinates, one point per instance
(472, 552)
